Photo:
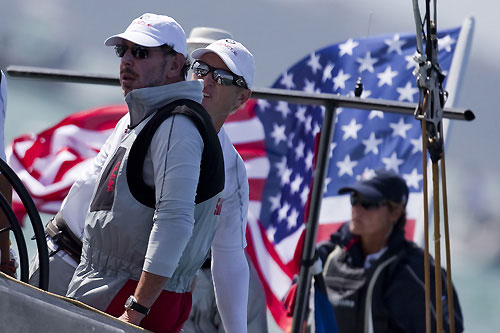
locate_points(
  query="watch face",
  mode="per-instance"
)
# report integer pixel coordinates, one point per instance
(129, 302)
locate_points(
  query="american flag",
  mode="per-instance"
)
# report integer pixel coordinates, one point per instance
(363, 141)
(276, 141)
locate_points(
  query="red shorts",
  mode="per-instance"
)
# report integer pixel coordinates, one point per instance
(168, 313)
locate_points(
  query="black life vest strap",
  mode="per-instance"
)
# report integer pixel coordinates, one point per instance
(211, 180)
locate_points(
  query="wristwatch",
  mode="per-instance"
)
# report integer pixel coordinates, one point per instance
(131, 304)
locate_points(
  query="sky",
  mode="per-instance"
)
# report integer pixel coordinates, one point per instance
(70, 35)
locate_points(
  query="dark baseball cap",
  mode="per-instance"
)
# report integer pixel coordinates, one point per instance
(385, 185)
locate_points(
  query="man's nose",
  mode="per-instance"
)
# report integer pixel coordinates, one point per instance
(209, 79)
(127, 58)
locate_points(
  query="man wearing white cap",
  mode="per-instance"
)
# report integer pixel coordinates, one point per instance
(224, 93)
(230, 232)
(227, 69)
(154, 211)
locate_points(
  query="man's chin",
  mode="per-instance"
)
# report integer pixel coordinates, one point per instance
(126, 89)
(206, 104)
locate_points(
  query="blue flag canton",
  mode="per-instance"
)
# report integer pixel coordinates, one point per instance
(363, 140)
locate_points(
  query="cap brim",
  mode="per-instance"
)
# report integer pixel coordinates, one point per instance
(198, 53)
(138, 38)
(366, 191)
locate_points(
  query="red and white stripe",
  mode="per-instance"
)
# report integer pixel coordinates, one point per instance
(49, 162)
(247, 134)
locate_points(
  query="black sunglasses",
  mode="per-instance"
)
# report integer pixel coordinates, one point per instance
(367, 204)
(222, 77)
(137, 51)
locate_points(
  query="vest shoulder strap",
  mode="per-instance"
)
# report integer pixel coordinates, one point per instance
(211, 180)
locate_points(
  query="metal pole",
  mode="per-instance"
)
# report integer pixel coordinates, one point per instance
(449, 285)
(427, 269)
(312, 221)
(437, 249)
(291, 96)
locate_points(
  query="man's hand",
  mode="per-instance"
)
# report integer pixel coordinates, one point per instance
(148, 289)
(131, 316)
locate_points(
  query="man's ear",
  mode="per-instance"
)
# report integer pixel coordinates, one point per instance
(242, 97)
(174, 67)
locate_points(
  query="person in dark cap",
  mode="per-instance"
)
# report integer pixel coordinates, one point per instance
(374, 276)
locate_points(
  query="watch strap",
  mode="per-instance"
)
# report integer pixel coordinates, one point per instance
(133, 305)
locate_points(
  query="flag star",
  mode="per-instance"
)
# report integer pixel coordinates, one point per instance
(309, 160)
(407, 92)
(339, 80)
(292, 219)
(347, 47)
(351, 130)
(287, 80)
(271, 232)
(366, 174)
(365, 93)
(395, 44)
(275, 202)
(308, 125)
(263, 104)
(283, 108)
(346, 166)
(410, 61)
(309, 86)
(375, 113)
(400, 128)
(392, 163)
(283, 211)
(417, 145)
(278, 133)
(295, 185)
(386, 77)
(327, 72)
(281, 165)
(412, 179)
(301, 114)
(314, 63)
(371, 145)
(328, 180)
(285, 176)
(316, 130)
(445, 43)
(304, 195)
(299, 150)
(332, 147)
(366, 63)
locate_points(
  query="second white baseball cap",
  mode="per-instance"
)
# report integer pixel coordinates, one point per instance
(236, 57)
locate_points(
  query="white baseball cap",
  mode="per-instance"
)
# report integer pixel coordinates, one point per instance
(152, 30)
(236, 57)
